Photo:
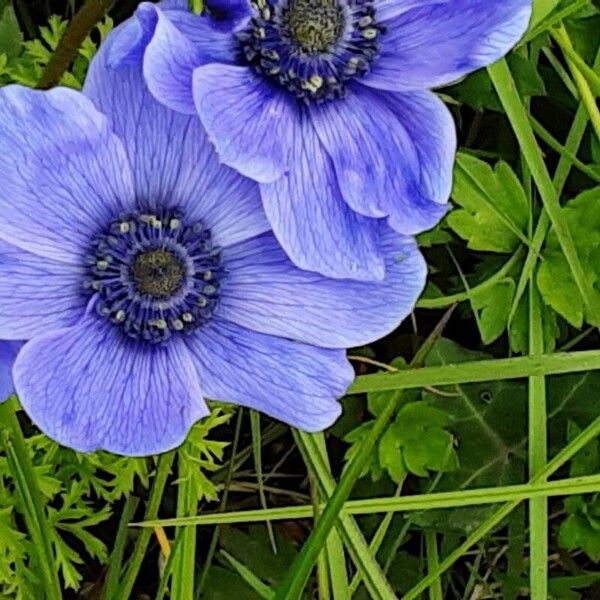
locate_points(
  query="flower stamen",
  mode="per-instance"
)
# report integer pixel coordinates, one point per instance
(312, 48)
(149, 272)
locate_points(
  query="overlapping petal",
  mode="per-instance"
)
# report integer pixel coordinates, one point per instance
(310, 219)
(436, 44)
(63, 172)
(380, 165)
(170, 60)
(89, 387)
(431, 129)
(250, 124)
(173, 162)
(180, 42)
(265, 292)
(295, 383)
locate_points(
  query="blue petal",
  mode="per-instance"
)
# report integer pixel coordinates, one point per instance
(265, 292)
(431, 129)
(181, 42)
(173, 43)
(8, 353)
(436, 45)
(37, 294)
(169, 61)
(248, 121)
(388, 9)
(88, 387)
(316, 228)
(382, 170)
(63, 172)
(295, 383)
(174, 164)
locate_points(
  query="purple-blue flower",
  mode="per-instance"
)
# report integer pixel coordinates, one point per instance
(325, 103)
(146, 279)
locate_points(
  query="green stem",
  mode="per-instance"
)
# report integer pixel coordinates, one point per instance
(257, 454)
(538, 507)
(433, 563)
(537, 442)
(294, 583)
(404, 504)
(322, 567)
(183, 560)
(334, 548)
(579, 68)
(505, 86)
(116, 557)
(376, 542)
(554, 18)
(564, 151)
(474, 292)
(34, 513)
(217, 532)
(560, 179)
(79, 28)
(313, 452)
(163, 470)
(478, 371)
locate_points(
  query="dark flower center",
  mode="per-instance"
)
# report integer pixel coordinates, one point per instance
(312, 48)
(314, 24)
(155, 275)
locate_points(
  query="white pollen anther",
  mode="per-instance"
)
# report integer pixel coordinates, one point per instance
(369, 34)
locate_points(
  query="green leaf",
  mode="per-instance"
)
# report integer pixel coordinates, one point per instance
(519, 327)
(555, 280)
(493, 211)
(575, 532)
(488, 424)
(416, 442)
(587, 460)
(11, 38)
(541, 9)
(495, 307)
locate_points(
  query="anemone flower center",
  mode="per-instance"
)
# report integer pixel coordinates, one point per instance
(311, 48)
(158, 273)
(314, 24)
(154, 275)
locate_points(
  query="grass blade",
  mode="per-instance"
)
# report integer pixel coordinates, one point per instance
(505, 86)
(21, 467)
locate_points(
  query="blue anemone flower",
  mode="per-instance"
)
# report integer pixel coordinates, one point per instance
(325, 103)
(145, 278)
